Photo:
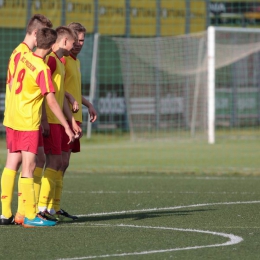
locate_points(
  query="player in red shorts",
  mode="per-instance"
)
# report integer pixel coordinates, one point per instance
(13, 161)
(73, 87)
(31, 84)
(53, 135)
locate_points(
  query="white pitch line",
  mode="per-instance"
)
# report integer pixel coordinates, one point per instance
(232, 241)
(167, 208)
(155, 192)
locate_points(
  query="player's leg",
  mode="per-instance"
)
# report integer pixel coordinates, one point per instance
(47, 192)
(13, 162)
(52, 148)
(37, 175)
(7, 186)
(28, 144)
(66, 154)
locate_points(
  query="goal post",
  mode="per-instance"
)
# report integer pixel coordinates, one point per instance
(211, 85)
(213, 32)
(203, 86)
(93, 79)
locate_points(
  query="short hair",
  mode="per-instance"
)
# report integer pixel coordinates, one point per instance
(37, 22)
(77, 27)
(45, 38)
(65, 31)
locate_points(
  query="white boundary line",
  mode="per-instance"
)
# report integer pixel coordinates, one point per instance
(168, 208)
(155, 192)
(233, 239)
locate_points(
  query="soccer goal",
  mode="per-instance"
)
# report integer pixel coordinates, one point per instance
(233, 83)
(198, 86)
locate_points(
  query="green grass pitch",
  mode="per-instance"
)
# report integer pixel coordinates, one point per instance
(151, 201)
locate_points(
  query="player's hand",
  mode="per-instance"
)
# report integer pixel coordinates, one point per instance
(92, 113)
(45, 128)
(73, 102)
(75, 107)
(77, 130)
(70, 135)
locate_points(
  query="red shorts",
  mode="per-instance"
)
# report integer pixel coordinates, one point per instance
(8, 137)
(52, 143)
(22, 140)
(75, 146)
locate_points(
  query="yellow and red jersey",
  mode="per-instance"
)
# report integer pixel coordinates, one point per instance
(57, 73)
(72, 83)
(21, 49)
(32, 80)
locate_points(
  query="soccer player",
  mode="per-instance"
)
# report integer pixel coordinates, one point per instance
(73, 87)
(13, 161)
(52, 139)
(31, 84)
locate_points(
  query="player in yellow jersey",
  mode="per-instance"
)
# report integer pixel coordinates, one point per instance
(13, 161)
(53, 135)
(31, 84)
(73, 86)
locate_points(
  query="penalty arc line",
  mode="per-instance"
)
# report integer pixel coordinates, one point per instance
(233, 239)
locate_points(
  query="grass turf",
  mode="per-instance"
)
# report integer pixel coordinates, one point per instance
(139, 213)
(132, 199)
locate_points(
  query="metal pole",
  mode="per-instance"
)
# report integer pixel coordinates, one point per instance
(63, 12)
(29, 13)
(211, 85)
(157, 72)
(96, 16)
(187, 18)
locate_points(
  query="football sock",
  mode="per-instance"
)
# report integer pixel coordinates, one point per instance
(7, 188)
(58, 190)
(21, 208)
(37, 178)
(27, 188)
(47, 189)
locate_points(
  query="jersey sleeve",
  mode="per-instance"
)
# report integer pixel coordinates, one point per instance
(52, 64)
(44, 82)
(63, 60)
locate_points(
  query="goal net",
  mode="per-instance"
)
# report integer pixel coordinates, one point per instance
(197, 86)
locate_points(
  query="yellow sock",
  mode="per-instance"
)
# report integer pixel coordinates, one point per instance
(28, 197)
(7, 188)
(58, 190)
(37, 178)
(47, 189)
(20, 208)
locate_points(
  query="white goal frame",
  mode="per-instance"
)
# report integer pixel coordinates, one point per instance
(211, 73)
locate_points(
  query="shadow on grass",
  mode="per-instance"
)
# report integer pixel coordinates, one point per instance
(138, 216)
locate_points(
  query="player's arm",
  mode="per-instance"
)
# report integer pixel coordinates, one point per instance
(68, 114)
(44, 121)
(73, 102)
(91, 109)
(55, 108)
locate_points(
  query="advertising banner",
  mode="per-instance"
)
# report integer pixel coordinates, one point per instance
(111, 17)
(198, 16)
(13, 14)
(235, 106)
(51, 9)
(173, 17)
(143, 18)
(235, 13)
(82, 11)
